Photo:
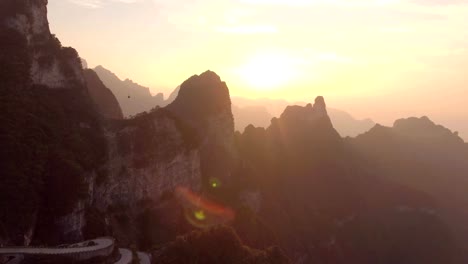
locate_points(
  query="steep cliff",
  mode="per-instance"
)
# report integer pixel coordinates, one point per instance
(148, 158)
(68, 173)
(50, 135)
(204, 103)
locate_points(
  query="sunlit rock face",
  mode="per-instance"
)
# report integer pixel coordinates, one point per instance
(204, 103)
(51, 65)
(148, 158)
(188, 145)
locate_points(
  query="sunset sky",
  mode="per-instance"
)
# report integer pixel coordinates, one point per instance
(382, 59)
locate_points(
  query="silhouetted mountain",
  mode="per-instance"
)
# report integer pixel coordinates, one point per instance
(133, 98)
(103, 98)
(204, 103)
(391, 195)
(425, 156)
(325, 204)
(258, 112)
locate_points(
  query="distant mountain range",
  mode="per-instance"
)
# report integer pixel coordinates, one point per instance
(168, 179)
(135, 99)
(259, 112)
(132, 97)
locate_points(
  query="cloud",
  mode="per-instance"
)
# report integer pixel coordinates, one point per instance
(100, 3)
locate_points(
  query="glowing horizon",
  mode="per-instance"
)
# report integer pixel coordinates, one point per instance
(397, 57)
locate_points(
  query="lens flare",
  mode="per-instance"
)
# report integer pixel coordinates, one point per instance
(215, 183)
(202, 213)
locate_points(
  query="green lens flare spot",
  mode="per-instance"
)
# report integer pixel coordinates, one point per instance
(200, 215)
(214, 183)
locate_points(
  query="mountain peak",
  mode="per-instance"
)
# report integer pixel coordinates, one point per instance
(320, 105)
(201, 96)
(211, 75)
(308, 113)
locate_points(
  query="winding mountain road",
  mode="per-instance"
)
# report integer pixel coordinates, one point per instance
(144, 258)
(99, 244)
(126, 256)
(100, 247)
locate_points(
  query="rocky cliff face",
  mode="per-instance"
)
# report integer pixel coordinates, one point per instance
(75, 165)
(188, 144)
(204, 103)
(148, 158)
(104, 100)
(51, 65)
(69, 174)
(51, 134)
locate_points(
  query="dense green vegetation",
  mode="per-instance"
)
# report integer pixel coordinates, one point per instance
(50, 140)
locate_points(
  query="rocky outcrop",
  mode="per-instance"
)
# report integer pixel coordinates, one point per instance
(103, 98)
(259, 113)
(204, 103)
(51, 65)
(148, 158)
(50, 133)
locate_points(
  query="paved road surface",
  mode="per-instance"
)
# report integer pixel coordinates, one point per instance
(144, 258)
(101, 243)
(126, 256)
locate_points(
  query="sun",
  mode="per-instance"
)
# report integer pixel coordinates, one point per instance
(268, 71)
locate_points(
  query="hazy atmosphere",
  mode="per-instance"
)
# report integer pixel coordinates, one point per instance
(233, 132)
(397, 57)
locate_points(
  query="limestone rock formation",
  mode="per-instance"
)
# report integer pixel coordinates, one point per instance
(204, 103)
(66, 172)
(51, 65)
(51, 140)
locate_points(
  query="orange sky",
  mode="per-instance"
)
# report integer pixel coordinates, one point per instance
(382, 59)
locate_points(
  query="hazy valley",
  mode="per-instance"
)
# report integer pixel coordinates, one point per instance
(203, 177)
